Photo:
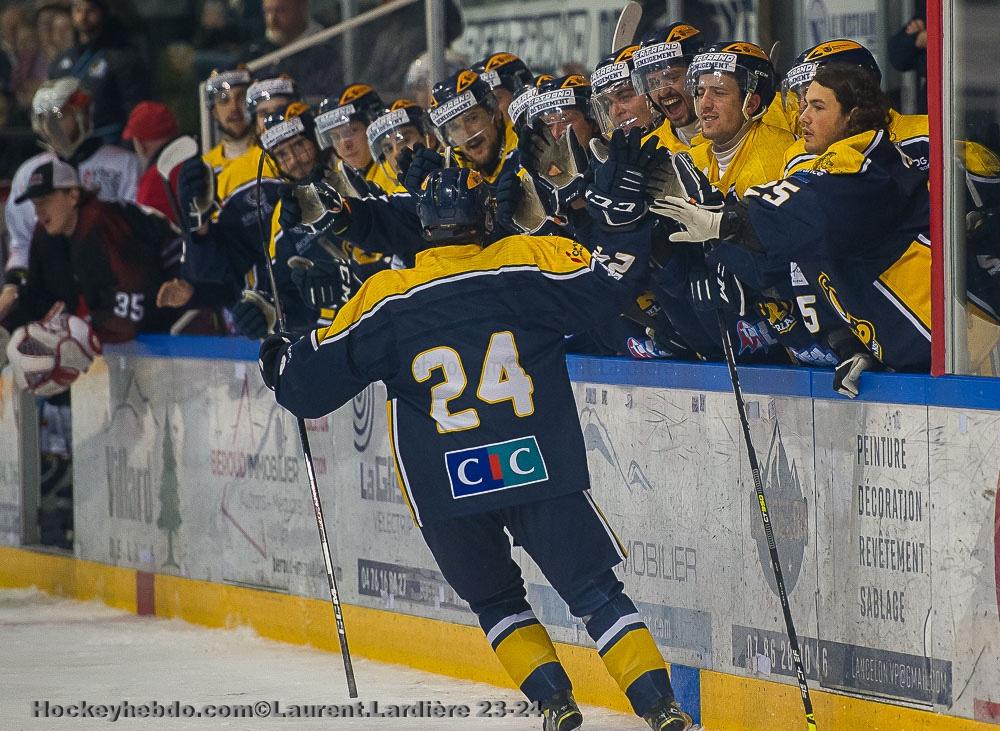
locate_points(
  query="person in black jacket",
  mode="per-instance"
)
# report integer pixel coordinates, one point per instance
(111, 69)
(908, 50)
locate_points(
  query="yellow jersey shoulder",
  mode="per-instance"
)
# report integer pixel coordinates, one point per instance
(551, 255)
(666, 137)
(847, 156)
(243, 170)
(216, 158)
(903, 127)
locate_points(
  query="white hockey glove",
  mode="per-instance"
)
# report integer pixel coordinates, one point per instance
(700, 224)
(847, 377)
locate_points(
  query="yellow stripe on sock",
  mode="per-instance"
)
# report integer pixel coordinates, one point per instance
(524, 650)
(632, 656)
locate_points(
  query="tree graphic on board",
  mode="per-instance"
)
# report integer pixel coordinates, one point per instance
(169, 519)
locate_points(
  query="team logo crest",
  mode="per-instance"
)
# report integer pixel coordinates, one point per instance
(831, 48)
(354, 92)
(681, 33)
(466, 79)
(500, 59)
(746, 49)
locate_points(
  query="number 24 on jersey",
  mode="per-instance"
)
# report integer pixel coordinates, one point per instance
(502, 379)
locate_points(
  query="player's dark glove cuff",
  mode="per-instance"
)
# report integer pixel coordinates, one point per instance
(273, 357)
(17, 276)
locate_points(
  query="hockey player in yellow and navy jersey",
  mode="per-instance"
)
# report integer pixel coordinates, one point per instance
(908, 131)
(467, 118)
(225, 208)
(661, 65)
(733, 85)
(226, 93)
(855, 221)
(484, 430)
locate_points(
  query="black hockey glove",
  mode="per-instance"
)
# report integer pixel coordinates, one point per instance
(254, 315)
(195, 188)
(617, 198)
(424, 162)
(324, 283)
(710, 290)
(290, 215)
(695, 183)
(272, 357)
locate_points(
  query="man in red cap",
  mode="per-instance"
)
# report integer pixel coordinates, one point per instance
(151, 125)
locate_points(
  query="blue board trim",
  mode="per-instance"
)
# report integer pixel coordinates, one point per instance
(968, 392)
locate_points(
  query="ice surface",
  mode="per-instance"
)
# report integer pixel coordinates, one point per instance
(65, 652)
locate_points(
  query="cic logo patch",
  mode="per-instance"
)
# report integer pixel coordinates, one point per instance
(493, 467)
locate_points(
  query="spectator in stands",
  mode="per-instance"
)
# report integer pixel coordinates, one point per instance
(151, 126)
(315, 69)
(12, 17)
(31, 67)
(109, 257)
(908, 50)
(105, 61)
(62, 117)
(54, 26)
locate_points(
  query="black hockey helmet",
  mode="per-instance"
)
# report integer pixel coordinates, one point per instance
(504, 69)
(613, 101)
(454, 98)
(388, 133)
(453, 207)
(518, 110)
(280, 128)
(744, 61)
(555, 96)
(663, 55)
(355, 103)
(840, 50)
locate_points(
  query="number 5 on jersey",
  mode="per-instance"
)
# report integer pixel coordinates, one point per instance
(502, 379)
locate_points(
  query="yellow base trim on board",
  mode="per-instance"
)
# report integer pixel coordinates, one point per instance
(728, 702)
(735, 703)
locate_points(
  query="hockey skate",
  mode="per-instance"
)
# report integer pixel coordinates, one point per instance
(560, 713)
(668, 716)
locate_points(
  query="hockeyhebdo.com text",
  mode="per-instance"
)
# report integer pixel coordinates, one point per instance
(113, 712)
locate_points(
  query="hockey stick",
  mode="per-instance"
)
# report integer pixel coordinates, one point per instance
(793, 638)
(338, 613)
(174, 154)
(628, 23)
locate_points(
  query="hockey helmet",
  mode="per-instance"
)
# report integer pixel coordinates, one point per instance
(289, 140)
(663, 58)
(559, 101)
(614, 102)
(261, 93)
(403, 124)
(453, 207)
(355, 103)
(742, 60)
(840, 50)
(504, 70)
(58, 100)
(518, 110)
(462, 107)
(222, 84)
